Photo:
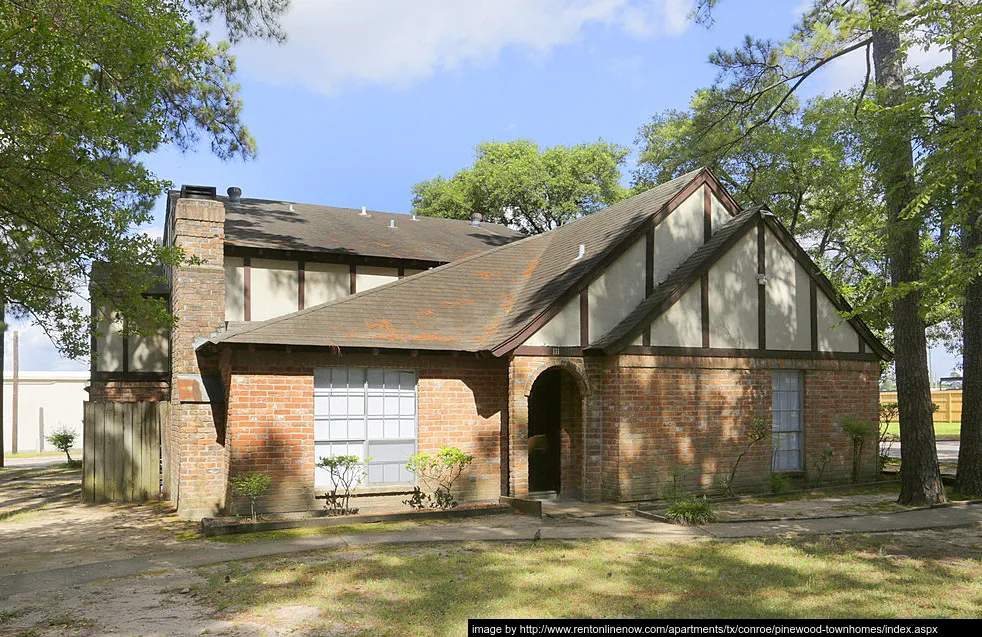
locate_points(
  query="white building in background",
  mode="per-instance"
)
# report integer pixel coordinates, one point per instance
(46, 402)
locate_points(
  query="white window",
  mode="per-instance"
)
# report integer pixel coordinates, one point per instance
(786, 428)
(368, 413)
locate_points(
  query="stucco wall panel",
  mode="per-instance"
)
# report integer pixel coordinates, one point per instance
(787, 309)
(679, 235)
(274, 288)
(563, 330)
(323, 282)
(733, 297)
(617, 291)
(681, 324)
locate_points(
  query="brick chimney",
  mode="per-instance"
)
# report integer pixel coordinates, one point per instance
(195, 461)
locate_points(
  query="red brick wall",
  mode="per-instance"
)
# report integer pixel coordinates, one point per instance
(125, 391)
(646, 415)
(270, 424)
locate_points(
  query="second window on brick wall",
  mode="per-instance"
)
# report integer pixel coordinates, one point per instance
(369, 413)
(786, 412)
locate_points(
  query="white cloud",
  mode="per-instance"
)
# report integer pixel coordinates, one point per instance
(36, 352)
(340, 44)
(850, 70)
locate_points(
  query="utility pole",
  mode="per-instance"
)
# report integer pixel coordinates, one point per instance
(13, 402)
(3, 329)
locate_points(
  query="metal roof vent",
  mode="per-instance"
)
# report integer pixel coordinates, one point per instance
(364, 212)
(581, 252)
(414, 217)
(392, 223)
(197, 192)
(234, 193)
(476, 218)
(291, 208)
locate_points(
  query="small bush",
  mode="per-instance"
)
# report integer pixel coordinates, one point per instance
(823, 462)
(779, 482)
(64, 440)
(691, 511)
(437, 474)
(346, 473)
(859, 430)
(252, 485)
(756, 430)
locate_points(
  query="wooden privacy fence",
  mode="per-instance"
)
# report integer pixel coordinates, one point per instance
(949, 403)
(121, 451)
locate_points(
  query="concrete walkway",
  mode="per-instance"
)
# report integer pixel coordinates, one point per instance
(519, 529)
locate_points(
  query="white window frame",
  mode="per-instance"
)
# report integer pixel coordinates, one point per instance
(787, 421)
(361, 409)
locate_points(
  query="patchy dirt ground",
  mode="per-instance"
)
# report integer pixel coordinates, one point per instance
(44, 525)
(861, 501)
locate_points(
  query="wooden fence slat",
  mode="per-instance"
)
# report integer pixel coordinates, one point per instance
(129, 458)
(88, 461)
(99, 453)
(949, 402)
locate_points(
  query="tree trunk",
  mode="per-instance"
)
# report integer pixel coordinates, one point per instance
(920, 476)
(970, 215)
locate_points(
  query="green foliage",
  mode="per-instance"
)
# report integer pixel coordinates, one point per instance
(63, 439)
(436, 474)
(346, 472)
(779, 482)
(859, 430)
(822, 463)
(756, 430)
(529, 188)
(88, 88)
(251, 484)
(691, 510)
(678, 474)
(888, 414)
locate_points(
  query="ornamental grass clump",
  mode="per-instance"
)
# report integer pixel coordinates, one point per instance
(691, 511)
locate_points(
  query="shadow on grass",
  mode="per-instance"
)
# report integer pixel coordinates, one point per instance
(435, 589)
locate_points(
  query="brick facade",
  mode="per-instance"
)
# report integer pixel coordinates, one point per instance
(461, 401)
(648, 415)
(126, 391)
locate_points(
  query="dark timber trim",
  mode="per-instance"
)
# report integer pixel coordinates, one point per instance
(352, 279)
(402, 273)
(747, 353)
(301, 276)
(534, 350)
(247, 291)
(584, 318)
(704, 308)
(761, 288)
(232, 250)
(131, 376)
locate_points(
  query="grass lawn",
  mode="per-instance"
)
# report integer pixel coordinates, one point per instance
(340, 529)
(942, 430)
(433, 590)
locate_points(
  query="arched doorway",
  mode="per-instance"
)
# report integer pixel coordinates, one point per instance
(555, 440)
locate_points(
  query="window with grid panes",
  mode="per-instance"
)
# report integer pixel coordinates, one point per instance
(787, 421)
(368, 413)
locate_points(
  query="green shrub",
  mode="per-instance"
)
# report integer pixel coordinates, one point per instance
(859, 430)
(691, 511)
(823, 462)
(346, 473)
(756, 430)
(253, 485)
(64, 440)
(436, 474)
(779, 482)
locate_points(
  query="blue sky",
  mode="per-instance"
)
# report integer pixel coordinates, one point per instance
(369, 97)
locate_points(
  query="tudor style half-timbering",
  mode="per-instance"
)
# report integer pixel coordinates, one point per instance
(590, 361)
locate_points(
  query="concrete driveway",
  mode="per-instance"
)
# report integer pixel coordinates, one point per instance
(947, 450)
(36, 462)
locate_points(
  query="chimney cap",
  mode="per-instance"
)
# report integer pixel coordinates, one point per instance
(197, 192)
(476, 218)
(234, 193)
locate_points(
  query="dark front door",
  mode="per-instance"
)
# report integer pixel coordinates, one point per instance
(545, 404)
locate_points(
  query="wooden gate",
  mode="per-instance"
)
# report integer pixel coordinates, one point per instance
(121, 451)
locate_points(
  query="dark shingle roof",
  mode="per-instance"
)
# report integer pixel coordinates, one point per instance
(282, 225)
(480, 303)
